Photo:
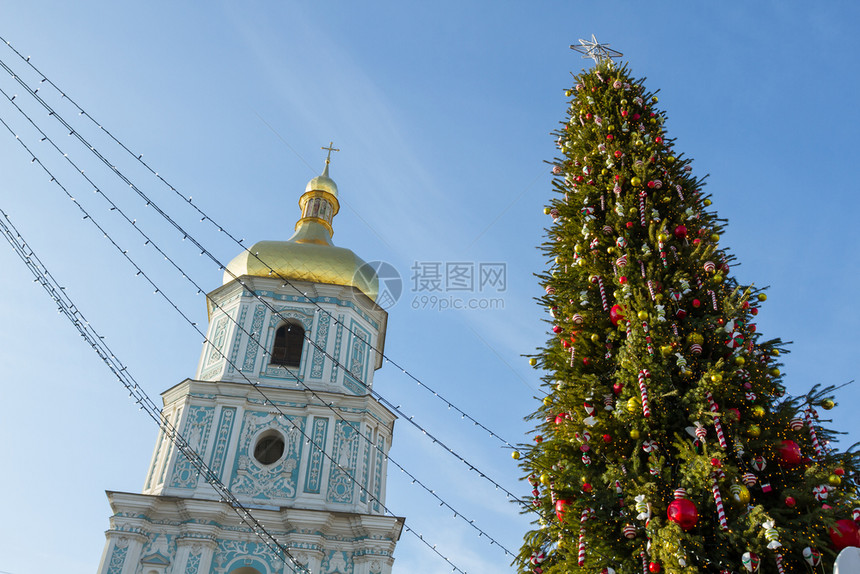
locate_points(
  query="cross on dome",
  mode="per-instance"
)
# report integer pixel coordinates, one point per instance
(330, 149)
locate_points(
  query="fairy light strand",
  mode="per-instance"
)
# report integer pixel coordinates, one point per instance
(239, 242)
(186, 235)
(267, 400)
(67, 307)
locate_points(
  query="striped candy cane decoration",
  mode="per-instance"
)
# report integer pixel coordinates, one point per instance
(721, 511)
(651, 289)
(581, 559)
(642, 195)
(779, 564)
(642, 267)
(602, 293)
(713, 298)
(675, 329)
(644, 562)
(680, 193)
(812, 434)
(572, 355)
(643, 391)
(663, 258)
(718, 425)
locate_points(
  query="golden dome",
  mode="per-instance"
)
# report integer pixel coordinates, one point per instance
(309, 255)
(322, 183)
(310, 262)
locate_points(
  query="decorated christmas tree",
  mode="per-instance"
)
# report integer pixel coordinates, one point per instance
(666, 440)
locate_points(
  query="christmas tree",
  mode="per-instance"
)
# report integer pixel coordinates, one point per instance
(666, 440)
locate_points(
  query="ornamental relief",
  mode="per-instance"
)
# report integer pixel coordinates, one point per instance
(216, 345)
(268, 481)
(231, 551)
(345, 454)
(196, 432)
(337, 562)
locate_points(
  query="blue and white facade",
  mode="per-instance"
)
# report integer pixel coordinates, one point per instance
(322, 496)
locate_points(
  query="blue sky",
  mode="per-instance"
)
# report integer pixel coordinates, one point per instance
(442, 112)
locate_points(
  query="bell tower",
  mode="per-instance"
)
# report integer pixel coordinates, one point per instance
(280, 410)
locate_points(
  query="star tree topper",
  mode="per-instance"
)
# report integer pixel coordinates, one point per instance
(595, 50)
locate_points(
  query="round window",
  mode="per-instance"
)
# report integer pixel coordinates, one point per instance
(269, 448)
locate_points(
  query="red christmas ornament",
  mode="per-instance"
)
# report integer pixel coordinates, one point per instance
(561, 508)
(617, 388)
(790, 501)
(607, 438)
(622, 279)
(683, 512)
(586, 487)
(697, 303)
(629, 225)
(789, 454)
(556, 329)
(839, 471)
(616, 313)
(654, 567)
(681, 231)
(844, 534)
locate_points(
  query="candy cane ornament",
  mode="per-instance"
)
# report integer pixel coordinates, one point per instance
(812, 434)
(581, 557)
(718, 500)
(643, 391)
(651, 289)
(644, 563)
(602, 294)
(779, 564)
(718, 425)
(642, 196)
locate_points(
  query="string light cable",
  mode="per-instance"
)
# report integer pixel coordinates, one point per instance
(221, 266)
(205, 217)
(66, 307)
(70, 310)
(140, 272)
(150, 242)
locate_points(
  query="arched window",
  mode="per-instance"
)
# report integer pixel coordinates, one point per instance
(287, 350)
